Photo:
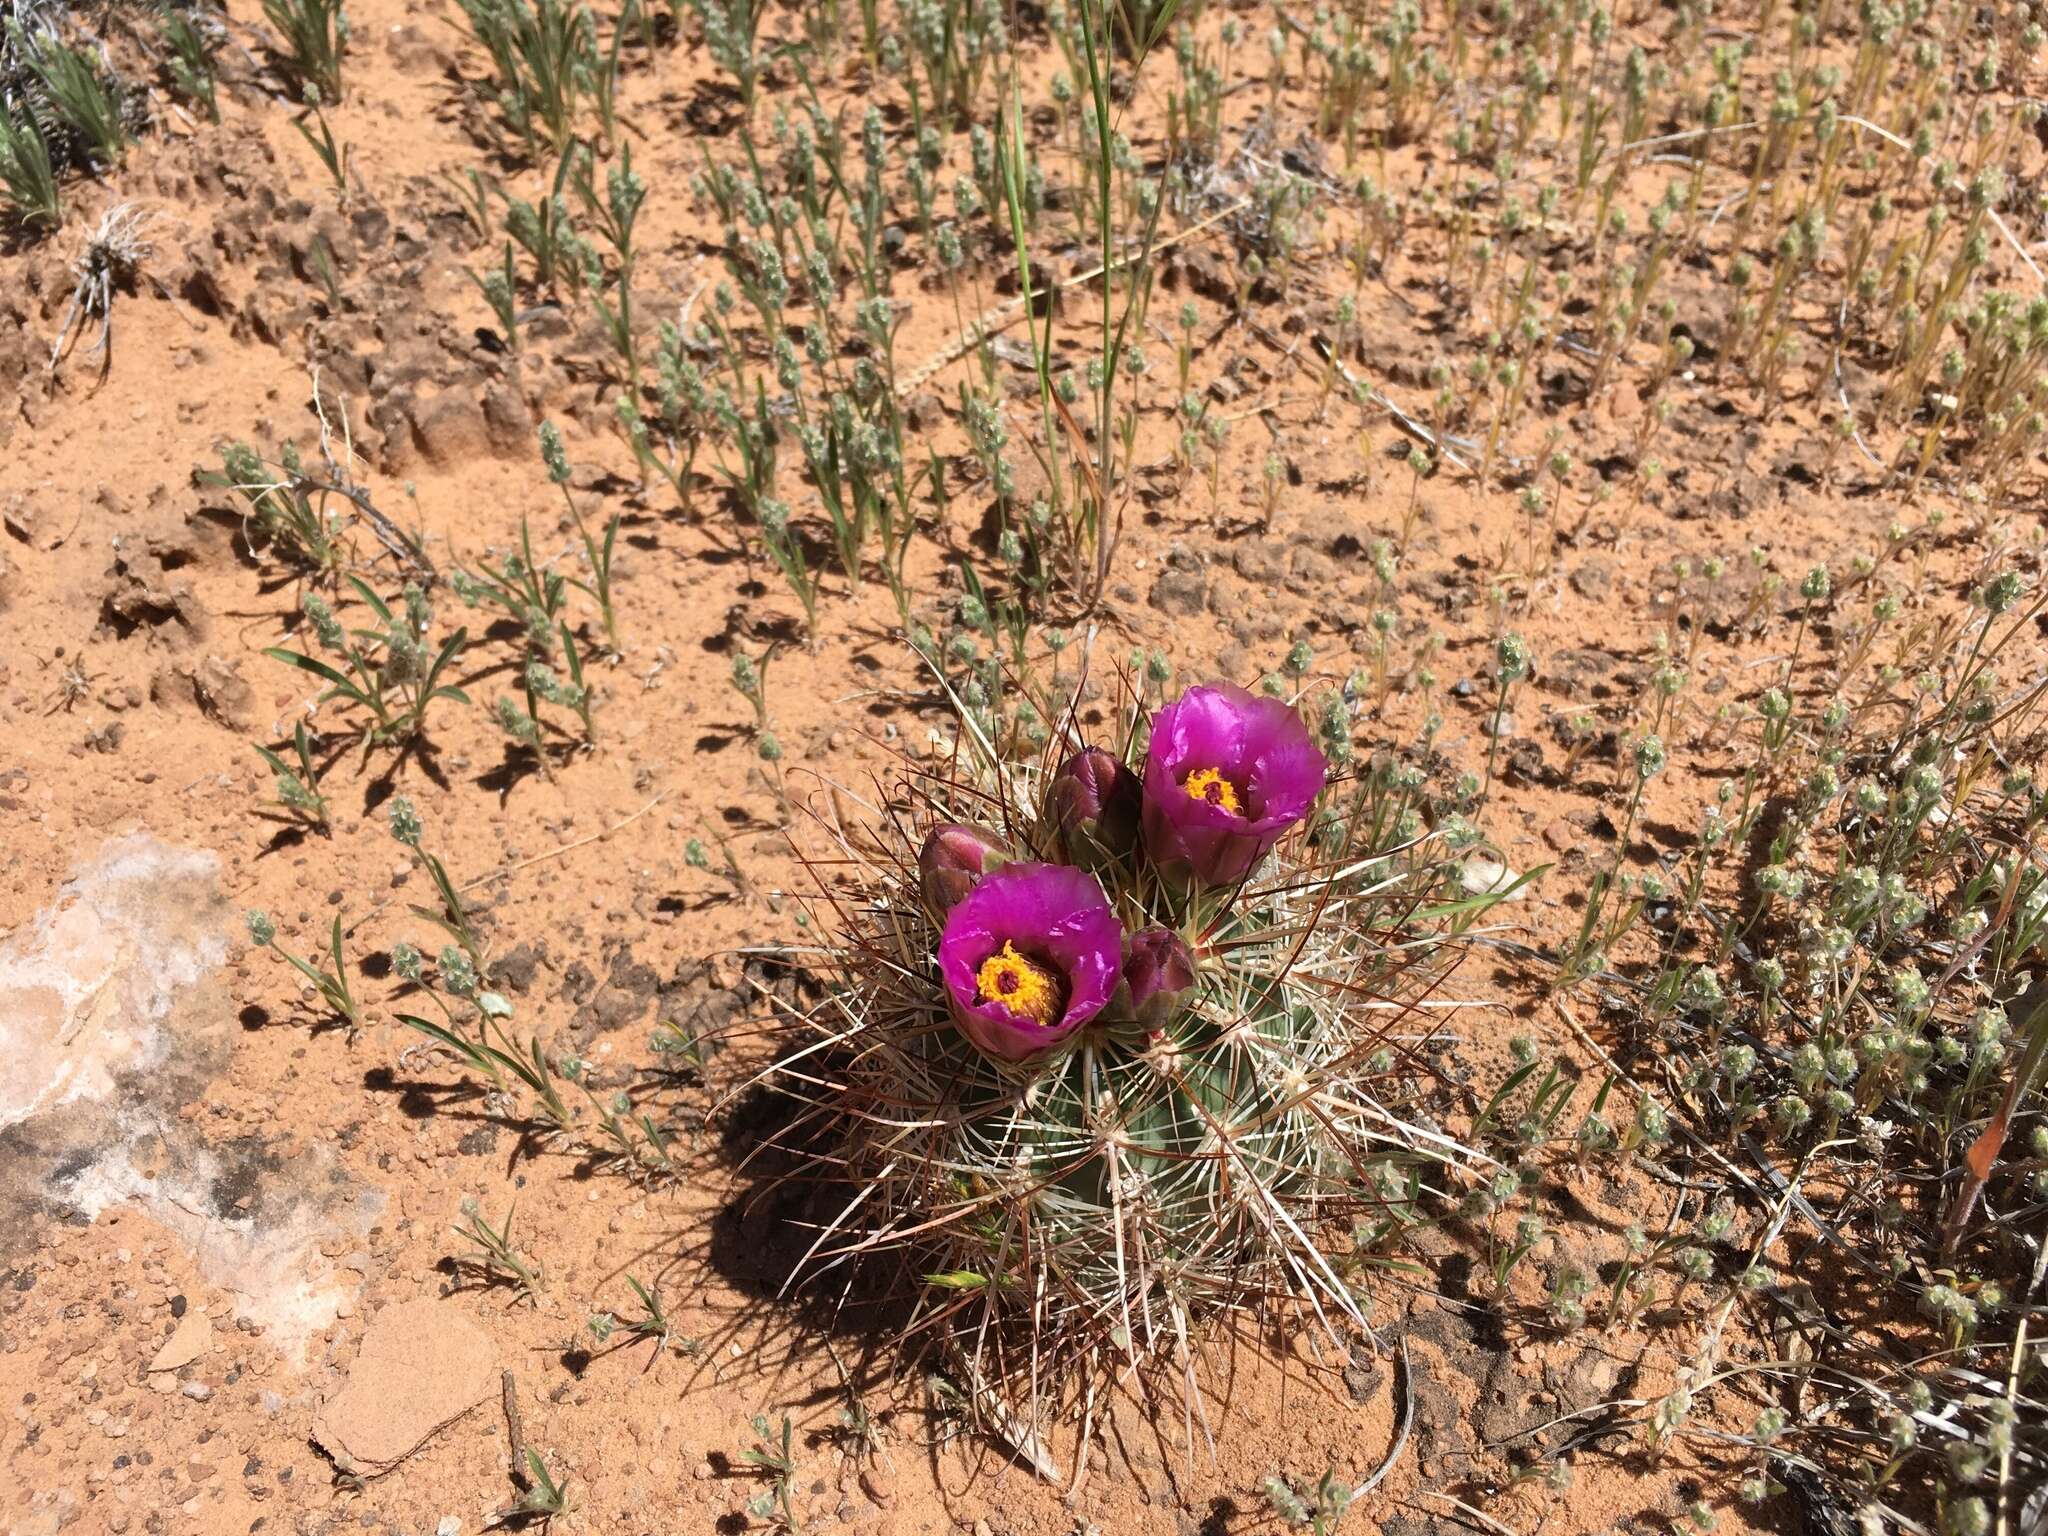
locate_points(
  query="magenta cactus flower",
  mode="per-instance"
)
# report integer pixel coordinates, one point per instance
(1226, 773)
(1028, 956)
(1094, 801)
(951, 863)
(1157, 970)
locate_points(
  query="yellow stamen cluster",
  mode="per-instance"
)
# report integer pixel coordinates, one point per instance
(1026, 990)
(1209, 785)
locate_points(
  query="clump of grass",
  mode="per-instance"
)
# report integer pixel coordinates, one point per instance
(28, 172)
(314, 36)
(82, 93)
(546, 57)
(190, 42)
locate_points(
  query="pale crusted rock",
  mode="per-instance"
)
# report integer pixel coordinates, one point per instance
(191, 1339)
(423, 1365)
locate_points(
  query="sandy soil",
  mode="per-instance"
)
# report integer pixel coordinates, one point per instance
(227, 1154)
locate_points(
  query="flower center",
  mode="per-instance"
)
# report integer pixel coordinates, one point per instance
(1022, 988)
(1212, 788)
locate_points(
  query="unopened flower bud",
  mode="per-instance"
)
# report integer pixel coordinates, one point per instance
(952, 862)
(1094, 801)
(1158, 968)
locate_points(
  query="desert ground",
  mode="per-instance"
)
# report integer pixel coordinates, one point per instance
(510, 506)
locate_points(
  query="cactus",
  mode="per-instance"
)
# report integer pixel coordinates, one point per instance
(1081, 1194)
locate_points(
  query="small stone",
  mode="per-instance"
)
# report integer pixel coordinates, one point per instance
(1559, 834)
(191, 1339)
(198, 1391)
(450, 429)
(1593, 580)
(1180, 594)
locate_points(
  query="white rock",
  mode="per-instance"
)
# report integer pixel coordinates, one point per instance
(1485, 877)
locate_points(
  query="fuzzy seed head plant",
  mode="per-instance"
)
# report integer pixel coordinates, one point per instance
(1114, 1044)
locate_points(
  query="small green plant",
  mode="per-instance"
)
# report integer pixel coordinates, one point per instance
(452, 917)
(391, 670)
(333, 154)
(83, 93)
(785, 547)
(491, 1256)
(499, 286)
(298, 792)
(771, 1454)
(574, 693)
(529, 592)
(650, 1322)
(329, 979)
(191, 61)
(28, 176)
(1318, 1510)
(596, 553)
(614, 215)
(750, 682)
(543, 1497)
(502, 1065)
(1511, 665)
(314, 35)
(284, 507)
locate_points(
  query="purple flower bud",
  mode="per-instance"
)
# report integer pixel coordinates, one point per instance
(1094, 801)
(952, 862)
(1226, 773)
(1158, 968)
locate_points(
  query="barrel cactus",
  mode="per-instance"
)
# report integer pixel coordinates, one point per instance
(1120, 1037)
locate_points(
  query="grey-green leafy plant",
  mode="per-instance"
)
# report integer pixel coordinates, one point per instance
(284, 506)
(1318, 1510)
(597, 553)
(392, 670)
(190, 62)
(492, 1256)
(297, 783)
(329, 979)
(499, 286)
(773, 1456)
(452, 916)
(332, 152)
(543, 1498)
